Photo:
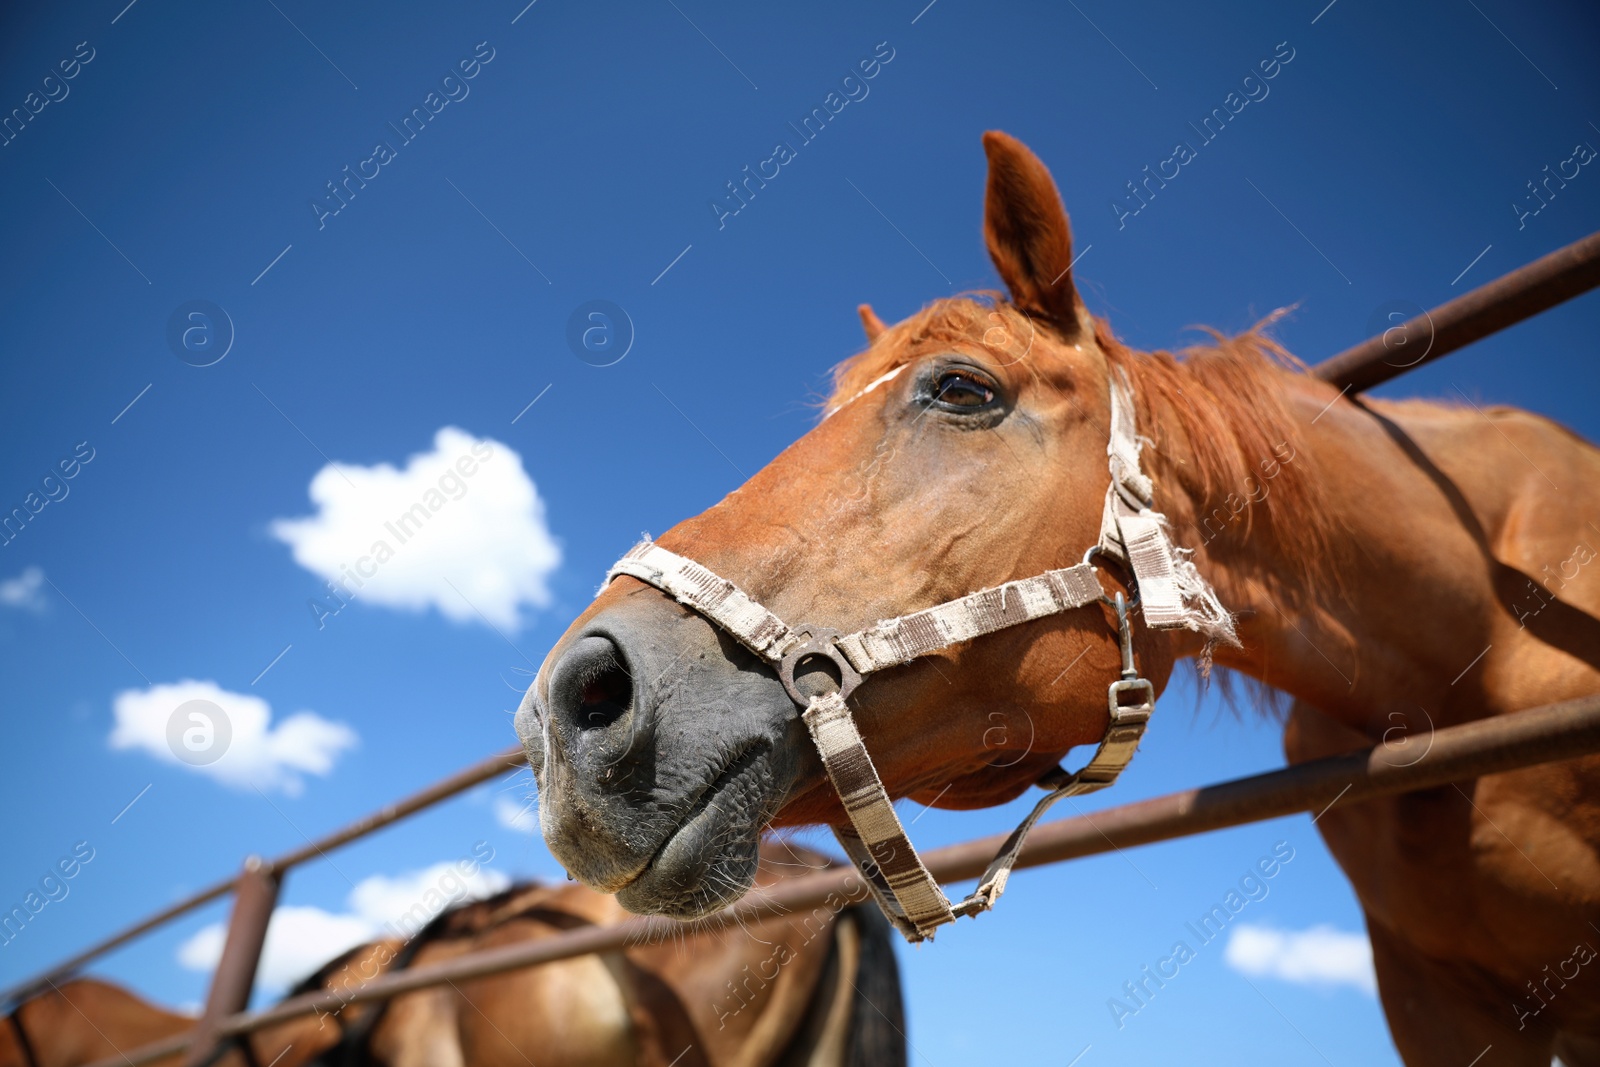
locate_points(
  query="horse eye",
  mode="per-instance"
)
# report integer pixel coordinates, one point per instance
(962, 391)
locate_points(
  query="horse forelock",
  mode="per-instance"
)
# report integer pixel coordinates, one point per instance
(952, 320)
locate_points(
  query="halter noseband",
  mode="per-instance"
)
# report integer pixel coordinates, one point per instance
(1168, 591)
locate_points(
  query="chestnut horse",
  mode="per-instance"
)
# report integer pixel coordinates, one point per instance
(818, 990)
(1386, 563)
(82, 1021)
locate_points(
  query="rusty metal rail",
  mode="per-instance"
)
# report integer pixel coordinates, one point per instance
(1506, 301)
(1454, 754)
(459, 782)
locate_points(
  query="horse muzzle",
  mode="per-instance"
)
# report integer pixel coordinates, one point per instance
(661, 749)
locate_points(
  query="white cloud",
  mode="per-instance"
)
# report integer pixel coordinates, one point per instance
(381, 900)
(522, 817)
(300, 938)
(255, 752)
(202, 951)
(1320, 956)
(25, 591)
(465, 514)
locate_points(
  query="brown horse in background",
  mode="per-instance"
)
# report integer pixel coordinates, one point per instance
(84, 1020)
(1395, 566)
(818, 990)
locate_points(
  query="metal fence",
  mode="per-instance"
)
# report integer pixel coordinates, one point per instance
(1458, 753)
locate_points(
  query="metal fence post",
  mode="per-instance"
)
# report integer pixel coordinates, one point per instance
(255, 895)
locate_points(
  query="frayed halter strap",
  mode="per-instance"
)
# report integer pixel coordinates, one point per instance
(1167, 589)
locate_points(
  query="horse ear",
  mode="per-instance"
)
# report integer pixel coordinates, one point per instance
(1026, 229)
(870, 322)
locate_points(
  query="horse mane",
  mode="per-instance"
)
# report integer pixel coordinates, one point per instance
(1217, 421)
(466, 916)
(314, 982)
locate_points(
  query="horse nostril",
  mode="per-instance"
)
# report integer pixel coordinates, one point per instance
(605, 696)
(599, 709)
(591, 688)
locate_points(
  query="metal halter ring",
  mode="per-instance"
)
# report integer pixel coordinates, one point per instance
(1123, 571)
(817, 641)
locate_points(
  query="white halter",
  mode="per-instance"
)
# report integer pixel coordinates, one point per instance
(1169, 592)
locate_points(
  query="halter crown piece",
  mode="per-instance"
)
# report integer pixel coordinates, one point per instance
(1169, 591)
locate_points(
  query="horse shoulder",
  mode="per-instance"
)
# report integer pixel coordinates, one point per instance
(420, 1029)
(572, 1011)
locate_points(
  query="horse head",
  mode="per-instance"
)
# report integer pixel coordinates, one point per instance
(964, 448)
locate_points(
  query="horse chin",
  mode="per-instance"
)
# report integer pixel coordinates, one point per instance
(689, 865)
(710, 858)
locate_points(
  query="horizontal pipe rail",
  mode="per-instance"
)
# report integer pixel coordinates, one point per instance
(1506, 301)
(1453, 754)
(462, 780)
(508, 760)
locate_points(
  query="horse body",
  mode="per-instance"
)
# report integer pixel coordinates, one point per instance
(1475, 893)
(1394, 566)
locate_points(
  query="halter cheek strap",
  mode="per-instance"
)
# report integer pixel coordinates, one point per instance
(1173, 594)
(1170, 592)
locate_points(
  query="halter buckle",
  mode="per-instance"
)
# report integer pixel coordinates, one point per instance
(1124, 713)
(816, 641)
(1130, 714)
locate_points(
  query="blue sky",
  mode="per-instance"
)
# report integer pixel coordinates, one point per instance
(579, 163)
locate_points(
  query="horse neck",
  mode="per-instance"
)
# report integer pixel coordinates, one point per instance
(1373, 614)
